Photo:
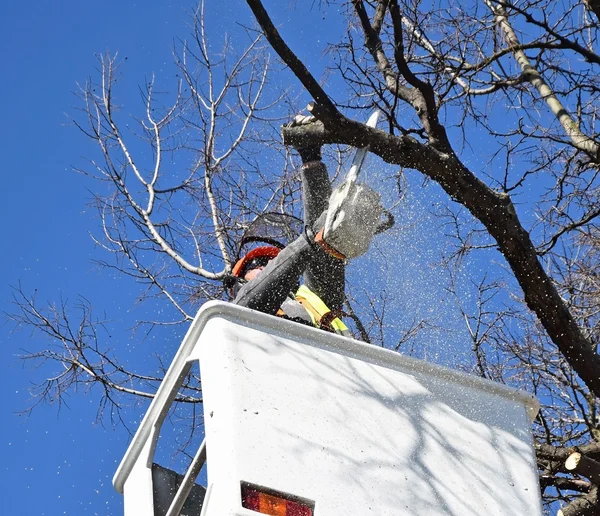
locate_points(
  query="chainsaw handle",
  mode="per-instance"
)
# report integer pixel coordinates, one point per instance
(384, 225)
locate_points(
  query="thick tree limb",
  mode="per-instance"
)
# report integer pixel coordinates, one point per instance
(289, 58)
(555, 453)
(494, 210)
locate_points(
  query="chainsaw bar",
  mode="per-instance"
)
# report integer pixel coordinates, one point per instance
(341, 194)
(359, 157)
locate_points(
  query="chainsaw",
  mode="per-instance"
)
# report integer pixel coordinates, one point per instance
(355, 212)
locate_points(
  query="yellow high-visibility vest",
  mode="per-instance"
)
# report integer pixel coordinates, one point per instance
(316, 309)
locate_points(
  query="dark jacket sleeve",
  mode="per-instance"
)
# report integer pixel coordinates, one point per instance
(324, 274)
(268, 291)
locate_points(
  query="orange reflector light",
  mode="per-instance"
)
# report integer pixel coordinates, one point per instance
(266, 501)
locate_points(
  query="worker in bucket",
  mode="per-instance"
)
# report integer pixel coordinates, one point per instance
(276, 250)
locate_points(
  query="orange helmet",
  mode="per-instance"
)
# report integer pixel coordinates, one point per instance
(266, 252)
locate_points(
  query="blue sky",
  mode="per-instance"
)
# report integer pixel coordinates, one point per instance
(60, 460)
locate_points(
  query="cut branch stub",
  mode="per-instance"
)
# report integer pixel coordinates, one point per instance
(582, 465)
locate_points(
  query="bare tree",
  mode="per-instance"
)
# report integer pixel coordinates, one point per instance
(496, 102)
(175, 189)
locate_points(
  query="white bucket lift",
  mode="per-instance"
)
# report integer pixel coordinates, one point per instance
(324, 425)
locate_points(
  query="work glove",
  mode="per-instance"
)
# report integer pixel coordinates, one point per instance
(349, 229)
(307, 153)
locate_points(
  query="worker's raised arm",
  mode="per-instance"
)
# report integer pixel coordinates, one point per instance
(324, 274)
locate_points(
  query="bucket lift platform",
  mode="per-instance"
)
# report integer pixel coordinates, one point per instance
(309, 423)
